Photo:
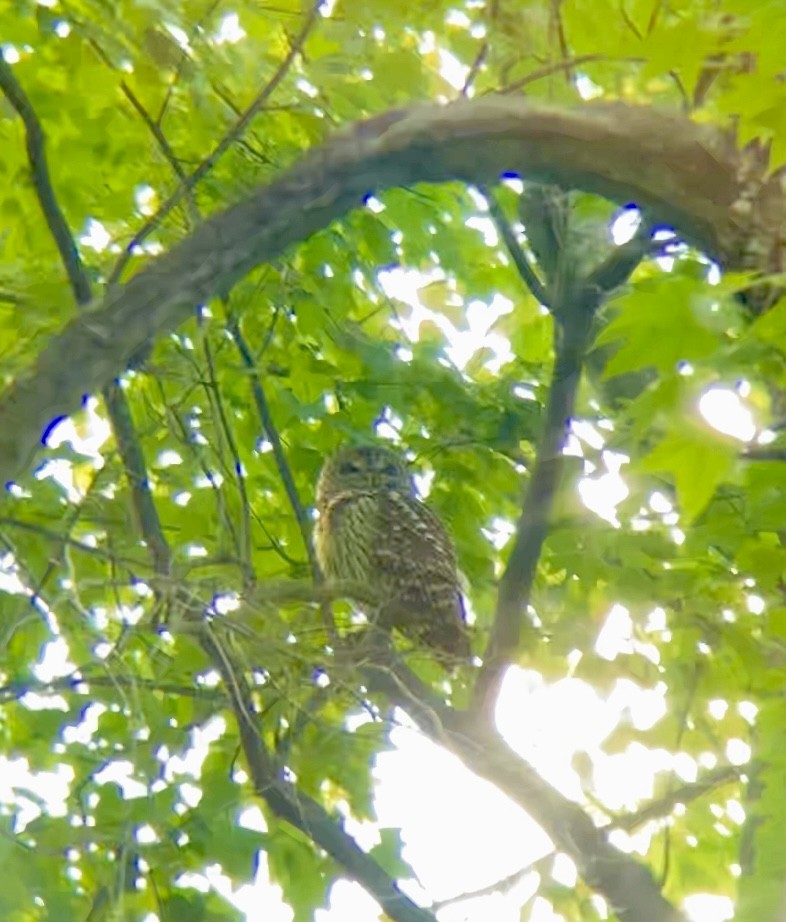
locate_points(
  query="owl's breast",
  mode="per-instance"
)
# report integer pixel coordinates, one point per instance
(344, 536)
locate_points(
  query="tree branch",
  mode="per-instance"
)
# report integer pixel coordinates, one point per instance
(684, 794)
(618, 266)
(515, 585)
(117, 405)
(66, 539)
(557, 67)
(655, 809)
(135, 467)
(627, 885)
(684, 173)
(573, 302)
(300, 810)
(284, 470)
(42, 183)
(213, 392)
(516, 251)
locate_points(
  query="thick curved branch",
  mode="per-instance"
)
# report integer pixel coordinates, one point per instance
(685, 174)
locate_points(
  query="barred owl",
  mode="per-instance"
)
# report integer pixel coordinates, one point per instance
(373, 529)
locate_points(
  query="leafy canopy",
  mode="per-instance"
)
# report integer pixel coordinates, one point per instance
(408, 318)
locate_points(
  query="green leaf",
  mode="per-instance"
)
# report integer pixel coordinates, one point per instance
(303, 875)
(697, 461)
(388, 854)
(645, 322)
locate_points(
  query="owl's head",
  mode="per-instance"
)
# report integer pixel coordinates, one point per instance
(365, 467)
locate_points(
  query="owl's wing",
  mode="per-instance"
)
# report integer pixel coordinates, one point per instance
(415, 559)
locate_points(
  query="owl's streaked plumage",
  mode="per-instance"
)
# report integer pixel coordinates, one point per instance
(373, 529)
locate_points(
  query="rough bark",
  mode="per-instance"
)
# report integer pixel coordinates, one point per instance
(687, 176)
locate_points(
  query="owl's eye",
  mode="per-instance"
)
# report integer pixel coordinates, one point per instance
(349, 467)
(391, 470)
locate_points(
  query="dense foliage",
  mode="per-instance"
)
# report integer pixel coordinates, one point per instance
(434, 316)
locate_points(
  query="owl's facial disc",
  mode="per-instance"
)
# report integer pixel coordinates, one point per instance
(369, 468)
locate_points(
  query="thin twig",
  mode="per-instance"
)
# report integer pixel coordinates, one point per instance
(480, 57)
(196, 453)
(135, 467)
(284, 470)
(271, 434)
(663, 806)
(557, 24)
(220, 149)
(517, 254)
(196, 30)
(475, 68)
(66, 539)
(214, 393)
(15, 690)
(499, 886)
(557, 66)
(165, 147)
